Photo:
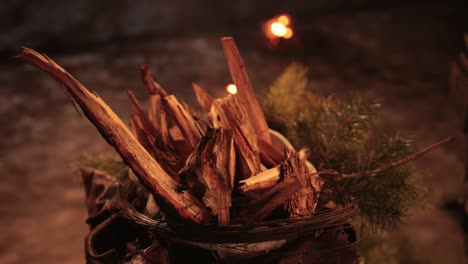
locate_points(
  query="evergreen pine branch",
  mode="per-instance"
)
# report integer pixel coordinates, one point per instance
(289, 87)
(341, 137)
(396, 163)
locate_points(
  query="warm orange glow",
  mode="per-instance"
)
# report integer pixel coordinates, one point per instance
(278, 29)
(231, 88)
(283, 19)
(289, 33)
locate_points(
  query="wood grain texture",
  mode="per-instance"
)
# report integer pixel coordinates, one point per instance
(245, 89)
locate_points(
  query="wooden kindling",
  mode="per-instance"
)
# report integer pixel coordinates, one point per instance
(204, 99)
(245, 89)
(115, 132)
(180, 114)
(290, 184)
(195, 164)
(209, 172)
(229, 113)
(304, 201)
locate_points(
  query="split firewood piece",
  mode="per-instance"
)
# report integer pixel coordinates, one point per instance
(222, 152)
(297, 191)
(154, 112)
(269, 155)
(137, 129)
(163, 126)
(302, 203)
(263, 180)
(271, 176)
(290, 165)
(267, 160)
(175, 134)
(158, 119)
(204, 99)
(191, 128)
(152, 86)
(178, 142)
(170, 163)
(164, 129)
(209, 172)
(153, 135)
(119, 136)
(272, 199)
(244, 88)
(150, 138)
(229, 113)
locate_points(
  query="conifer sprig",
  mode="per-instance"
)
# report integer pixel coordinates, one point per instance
(342, 136)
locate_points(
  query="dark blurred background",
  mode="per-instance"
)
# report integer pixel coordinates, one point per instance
(400, 51)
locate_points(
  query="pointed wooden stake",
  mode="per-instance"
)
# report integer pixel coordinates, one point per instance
(244, 89)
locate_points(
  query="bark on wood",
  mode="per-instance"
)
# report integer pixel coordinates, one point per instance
(244, 89)
(209, 172)
(118, 135)
(304, 201)
(228, 113)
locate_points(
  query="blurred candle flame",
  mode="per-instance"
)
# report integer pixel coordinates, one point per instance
(279, 27)
(283, 19)
(231, 88)
(288, 34)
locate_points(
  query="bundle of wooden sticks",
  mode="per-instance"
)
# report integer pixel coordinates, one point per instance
(222, 165)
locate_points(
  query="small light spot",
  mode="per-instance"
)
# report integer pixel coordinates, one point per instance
(231, 88)
(278, 29)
